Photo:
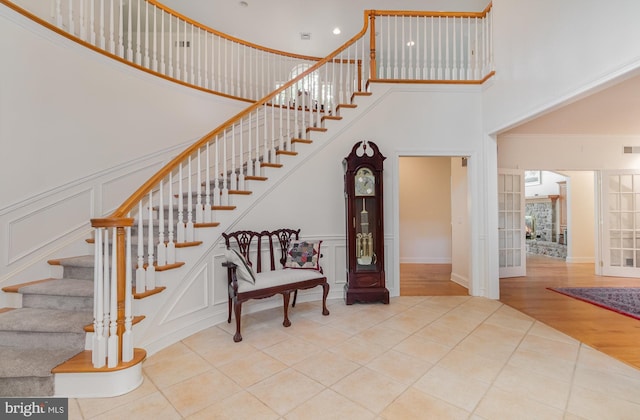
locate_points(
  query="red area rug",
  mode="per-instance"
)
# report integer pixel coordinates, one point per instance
(624, 300)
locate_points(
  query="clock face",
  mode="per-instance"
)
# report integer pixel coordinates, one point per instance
(365, 182)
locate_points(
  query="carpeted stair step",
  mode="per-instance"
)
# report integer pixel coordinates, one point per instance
(30, 328)
(80, 268)
(63, 294)
(27, 372)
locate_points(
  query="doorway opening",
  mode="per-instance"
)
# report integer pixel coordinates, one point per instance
(434, 228)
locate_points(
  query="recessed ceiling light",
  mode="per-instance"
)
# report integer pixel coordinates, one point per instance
(410, 44)
(336, 31)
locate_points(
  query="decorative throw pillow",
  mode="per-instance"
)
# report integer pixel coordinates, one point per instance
(303, 254)
(243, 270)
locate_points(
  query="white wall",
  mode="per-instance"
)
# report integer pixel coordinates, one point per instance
(548, 51)
(581, 217)
(460, 223)
(66, 112)
(425, 210)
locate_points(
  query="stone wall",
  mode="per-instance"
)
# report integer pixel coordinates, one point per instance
(551, 249)
(544, 239)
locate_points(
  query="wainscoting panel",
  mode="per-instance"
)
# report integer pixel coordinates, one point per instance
(116, 190)
(45, 224)
(193, 297)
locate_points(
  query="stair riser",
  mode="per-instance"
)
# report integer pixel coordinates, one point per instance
(51, 340)
(80, 273)
(26, 386)
(64, 303)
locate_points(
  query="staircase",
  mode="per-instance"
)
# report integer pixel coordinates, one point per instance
(47, 335)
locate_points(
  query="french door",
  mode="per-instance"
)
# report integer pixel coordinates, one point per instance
(620, 223)
(511, 230)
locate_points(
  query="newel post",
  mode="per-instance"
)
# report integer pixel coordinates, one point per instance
(110, 291)
(372, 44)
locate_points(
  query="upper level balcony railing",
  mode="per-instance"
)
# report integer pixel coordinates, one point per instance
(410, 46)
(291, 97)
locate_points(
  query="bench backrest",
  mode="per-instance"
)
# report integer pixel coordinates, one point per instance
(243, 240)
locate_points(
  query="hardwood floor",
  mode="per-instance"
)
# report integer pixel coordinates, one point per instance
(612, 333)
(428, 280)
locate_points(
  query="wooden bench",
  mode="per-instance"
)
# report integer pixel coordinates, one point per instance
(247, 280)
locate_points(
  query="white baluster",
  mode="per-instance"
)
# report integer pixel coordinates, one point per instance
(403, 46)
(469, 50)
(241, 184)
(92, 27)
(72, 25)
(185, 73)
(432, 73)
(461, 68)
(98, 355)
(454, 70)
(102, 29)
(171, 246)
(112, 342)
(127, 336)
(171, 47)
(189, 231)
(154, 65)
(265, 157)
(57, 14)
(83, 23)
(146, 34)
(161, 252)
(141, 274)
(192, 73)
(218, 86)
(208, 214)
(233, 176)
(476, 64)
(129, 33)
(447, 69)
(151, 268)
(225, 184)
(180, 228)
(138, 34)
(106, 288)
(256, 163)
(216, 184)
(425, 56)
(199, 205)
(112, 35)
(272, 150)
(207, 79)
(120, 49)
(439, 66)
(163, 64)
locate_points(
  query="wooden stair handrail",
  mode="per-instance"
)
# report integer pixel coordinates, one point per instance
(145, 188)
(229, 37)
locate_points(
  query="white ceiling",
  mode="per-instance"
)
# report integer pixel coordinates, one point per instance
(614, 110)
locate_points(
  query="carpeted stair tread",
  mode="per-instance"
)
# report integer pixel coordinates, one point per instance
(80, 261)
(45, 320)
(60, 287)
(20, 362)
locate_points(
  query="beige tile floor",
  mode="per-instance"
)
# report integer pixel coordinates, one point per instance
(448, 357)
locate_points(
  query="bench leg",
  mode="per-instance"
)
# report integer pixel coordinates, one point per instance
(285, 297)
(229, 317)
(295, 296)
(325, 293)
(237, 306)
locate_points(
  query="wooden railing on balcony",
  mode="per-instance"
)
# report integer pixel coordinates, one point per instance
(188, 192)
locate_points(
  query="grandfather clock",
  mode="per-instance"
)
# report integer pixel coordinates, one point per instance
(365, 225)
